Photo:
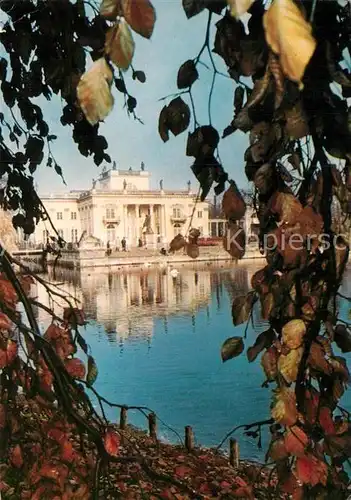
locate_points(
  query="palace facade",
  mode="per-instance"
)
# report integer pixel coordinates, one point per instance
(120, 205)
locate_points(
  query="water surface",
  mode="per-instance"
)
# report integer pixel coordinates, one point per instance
(157, 343)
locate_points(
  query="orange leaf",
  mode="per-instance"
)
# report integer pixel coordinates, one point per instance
(140, 15)
(287, 206)
(295, 440)
(233, 203)
(112, 443)
(311, 405)
(284, 409)
(310, 470)
(182, 471)
(119, 45)
(15, 456)
(75, 368)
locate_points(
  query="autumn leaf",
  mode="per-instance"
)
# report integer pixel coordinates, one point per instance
(277, 450)
(92, 371)
(140, 15)
(290, 36)
(288, 365)
(192, 250)
(187, 74)
(295, 440)
(312, 399)
(75, 368)
(112, 442)
(264, 340)
(284, 409)
(233, 204)
(310, 470)
(286, 206)
(293, 333)
(15, 456)
(232, 348)
(242, 307)
(93, 92)
(326, 420)
(234, 241)
(317, 360)
(269, 362)
(119, 45)
(177, 243)
(239, 7)
(11, 351)
(5, 322)
(110, 9)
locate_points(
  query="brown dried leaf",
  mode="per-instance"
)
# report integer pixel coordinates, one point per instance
(269, 362)
(232, 348)
(263, 341)
(234, 241)
(119, 45)
(278, 76)
(233, 204)
(287, 206)
(296, 126)
(241, 308)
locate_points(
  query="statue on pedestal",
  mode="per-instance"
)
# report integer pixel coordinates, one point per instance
(142, 166)
(161, 184)
(124, 184)
(189, 185)
(147, 225)
(94, 183)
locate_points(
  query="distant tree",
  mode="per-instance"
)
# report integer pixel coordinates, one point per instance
(297, 113)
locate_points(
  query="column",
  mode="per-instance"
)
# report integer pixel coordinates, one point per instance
(152, 221)
(137, 223)
(125, 220)
(164, 223)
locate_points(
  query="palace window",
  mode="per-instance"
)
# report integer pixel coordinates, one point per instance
(73, 215)
(74, 235)
(59, 215)
(60, 233)
(110, 213)
(45, 235)
(201, 229)
(199, 215)
(176, 213)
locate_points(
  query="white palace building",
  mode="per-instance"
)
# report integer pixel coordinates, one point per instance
(117, 206)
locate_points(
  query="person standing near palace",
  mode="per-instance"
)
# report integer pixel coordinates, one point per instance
(124, 244)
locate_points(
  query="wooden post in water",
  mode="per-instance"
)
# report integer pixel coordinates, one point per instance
(234, 453)
(189, 438)
(123, 418)
(152, 426)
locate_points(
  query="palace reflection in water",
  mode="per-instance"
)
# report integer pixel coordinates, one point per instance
(127, 303)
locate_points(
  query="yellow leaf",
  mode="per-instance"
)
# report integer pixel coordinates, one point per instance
(288, 365)
(293, 333)
(140, 15)
(93, 92)
(119, 45)
(289, 35)
(239, 7)
(110, 9)
(284, 409)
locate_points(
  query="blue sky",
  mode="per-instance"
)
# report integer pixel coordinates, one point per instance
(175, 39)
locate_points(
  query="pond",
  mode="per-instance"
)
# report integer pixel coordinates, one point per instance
(157, 339)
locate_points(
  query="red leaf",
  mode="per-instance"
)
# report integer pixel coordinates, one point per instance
(54, 472)
(57, 435)
(326, 421)
(5, 323)
(182, 471)
(112, 443)
(68, 453)
(75, 368)
(11, 351)
(295, 441)
(2, 416)
(3, 358)
(15, 456)
(140, 15)
(53, 332)
(311, 405)
(310, 470)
